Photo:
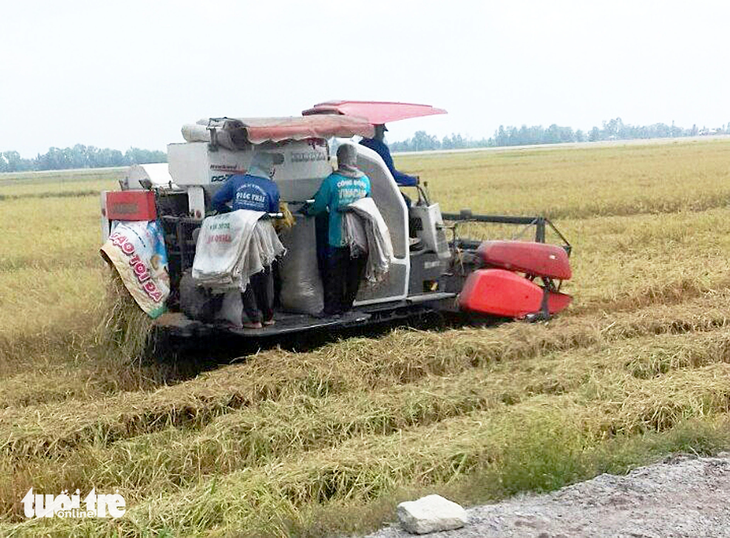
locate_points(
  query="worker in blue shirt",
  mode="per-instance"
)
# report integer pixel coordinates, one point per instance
(377, 144)
(254, 191)
(343, 272)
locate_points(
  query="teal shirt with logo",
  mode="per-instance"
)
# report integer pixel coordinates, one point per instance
(335, 193)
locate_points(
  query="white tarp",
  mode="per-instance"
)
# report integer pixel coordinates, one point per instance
(237, 133)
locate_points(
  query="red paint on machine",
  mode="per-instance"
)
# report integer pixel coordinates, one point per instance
(131, 205)
(536, 259)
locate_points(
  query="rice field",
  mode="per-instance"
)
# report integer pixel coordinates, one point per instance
(328, 440)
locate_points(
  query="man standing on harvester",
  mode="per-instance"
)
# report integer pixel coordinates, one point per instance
(255, 191)
(343, 272)
(377, 144)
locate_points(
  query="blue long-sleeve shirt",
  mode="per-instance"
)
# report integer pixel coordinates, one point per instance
(335, 193)
(381, 149)
(247, 192)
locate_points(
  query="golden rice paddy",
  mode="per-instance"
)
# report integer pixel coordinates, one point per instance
(329, 439)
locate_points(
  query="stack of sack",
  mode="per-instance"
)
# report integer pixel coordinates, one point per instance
(232, 247)
(365, 231)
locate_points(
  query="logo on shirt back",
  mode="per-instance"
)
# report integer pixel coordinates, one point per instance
(251, 196)
(349, 190)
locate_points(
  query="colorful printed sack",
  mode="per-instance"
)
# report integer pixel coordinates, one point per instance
(137, 251)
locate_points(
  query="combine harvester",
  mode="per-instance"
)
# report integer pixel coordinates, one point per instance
(433, 270)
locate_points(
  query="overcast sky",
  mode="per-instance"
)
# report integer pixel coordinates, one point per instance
(132, 72)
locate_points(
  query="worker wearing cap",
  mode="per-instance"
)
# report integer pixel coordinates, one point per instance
(377, 144)
(254, 191)
(343, 272)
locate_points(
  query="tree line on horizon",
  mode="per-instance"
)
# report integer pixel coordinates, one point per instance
(614, 129)
(79, 156)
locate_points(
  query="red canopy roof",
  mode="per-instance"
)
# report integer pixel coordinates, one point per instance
(376, 112)
(297, 128)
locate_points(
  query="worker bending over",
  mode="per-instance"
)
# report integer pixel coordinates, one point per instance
(343, 272)
(377, 144)
(255, 191)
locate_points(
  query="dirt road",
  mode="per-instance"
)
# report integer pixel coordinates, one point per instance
(682, 496)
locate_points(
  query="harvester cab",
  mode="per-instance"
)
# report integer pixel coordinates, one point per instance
(160, 210)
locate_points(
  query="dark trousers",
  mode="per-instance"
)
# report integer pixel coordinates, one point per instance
(343, 276)
(258, 299)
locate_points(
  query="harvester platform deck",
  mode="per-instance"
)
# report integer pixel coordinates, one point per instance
(289, 323)
(177, 324)
(180, 325)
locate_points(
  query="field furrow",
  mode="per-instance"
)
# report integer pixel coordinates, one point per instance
(602, 378)
(357, 364)
(517, 445)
